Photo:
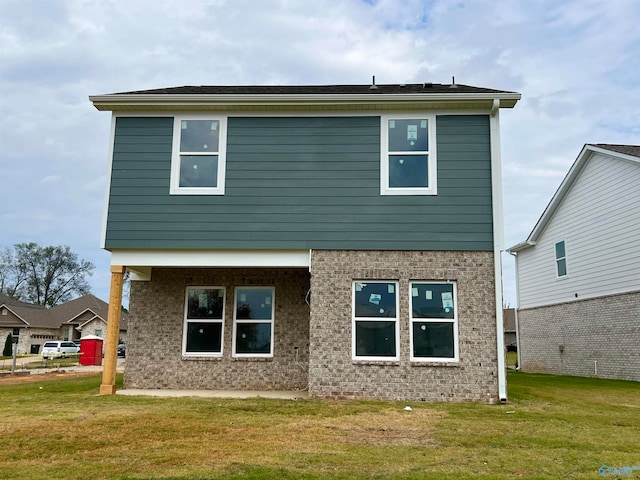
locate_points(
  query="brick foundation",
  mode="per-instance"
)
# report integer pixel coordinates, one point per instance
(599, 338)
(322, 333)
(333, 373)
(154, 348)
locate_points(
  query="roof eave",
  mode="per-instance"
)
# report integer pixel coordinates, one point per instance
(520, 246)
(116, 102)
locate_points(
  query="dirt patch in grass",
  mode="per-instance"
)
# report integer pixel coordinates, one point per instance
(13, 379)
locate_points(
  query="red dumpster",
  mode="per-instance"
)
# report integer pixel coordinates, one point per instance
(91, 350)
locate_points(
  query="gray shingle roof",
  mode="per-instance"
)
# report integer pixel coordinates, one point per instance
(315, 89)
(625, 149)
(39, 316)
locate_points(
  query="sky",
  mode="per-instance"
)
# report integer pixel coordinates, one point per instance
(575, 62)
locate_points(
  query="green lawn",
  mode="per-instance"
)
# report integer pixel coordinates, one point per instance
(552, 427)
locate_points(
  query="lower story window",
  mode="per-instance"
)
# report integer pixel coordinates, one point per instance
(203, 323)
(434, 321)
(375, 320)
(253, 322)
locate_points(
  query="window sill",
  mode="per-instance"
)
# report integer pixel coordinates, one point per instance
(252, 359)
(427, 363)
(377, 362)
(201, 358)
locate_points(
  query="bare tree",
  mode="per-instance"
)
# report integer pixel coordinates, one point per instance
(43, 275)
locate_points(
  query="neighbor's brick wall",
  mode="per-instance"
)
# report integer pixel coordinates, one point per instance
(333, 373)
(605, 330)
(154, 348)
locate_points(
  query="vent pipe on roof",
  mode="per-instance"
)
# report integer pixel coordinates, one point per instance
(373, 83)
(453, 83)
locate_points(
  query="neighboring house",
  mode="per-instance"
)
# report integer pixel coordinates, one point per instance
(343, 239)
(578, 272)
(35, 324)
(509, 319)
(86, 315)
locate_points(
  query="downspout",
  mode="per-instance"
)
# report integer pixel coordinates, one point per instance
(515, 311)
(498, 234)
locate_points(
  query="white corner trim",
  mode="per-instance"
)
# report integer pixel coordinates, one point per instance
(498, 241)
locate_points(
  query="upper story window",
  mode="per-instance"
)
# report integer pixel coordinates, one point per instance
(375, 320)
(408, 156)
(198, 159)
(561, 259)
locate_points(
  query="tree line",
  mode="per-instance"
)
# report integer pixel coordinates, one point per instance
(45, 276)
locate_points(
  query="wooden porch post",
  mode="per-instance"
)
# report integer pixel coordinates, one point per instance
(108, 386)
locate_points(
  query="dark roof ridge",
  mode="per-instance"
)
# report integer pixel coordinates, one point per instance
(633, 150)
(346, 89)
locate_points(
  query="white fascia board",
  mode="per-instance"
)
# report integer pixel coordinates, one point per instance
(520, 246)
(210, 258)
(113, 101)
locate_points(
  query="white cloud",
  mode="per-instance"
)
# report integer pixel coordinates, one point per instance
(575, 63)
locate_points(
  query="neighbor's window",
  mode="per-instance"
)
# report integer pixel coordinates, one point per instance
(203, 321)
(198, 160)
(408, 161)
(375, 320)
(253, 322)
(561, 260)
(434, 321)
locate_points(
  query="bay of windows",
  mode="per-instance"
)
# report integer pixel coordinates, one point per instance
(433, 321)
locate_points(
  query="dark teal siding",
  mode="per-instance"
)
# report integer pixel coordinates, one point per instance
(301, 183)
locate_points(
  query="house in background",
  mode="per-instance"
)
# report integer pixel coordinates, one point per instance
(509, 321)
(578, 272)
(86, 315)
(343, 239)
(35, 324)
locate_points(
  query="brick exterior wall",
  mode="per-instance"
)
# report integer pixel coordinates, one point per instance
(600, 338)
(333, 373)
(154, 348)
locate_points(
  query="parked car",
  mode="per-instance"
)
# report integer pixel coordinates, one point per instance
(77, 343)
(59, 349)
(512, 347)
(122, 350)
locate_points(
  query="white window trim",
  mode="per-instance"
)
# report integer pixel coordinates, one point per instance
(175, 188)
(355, 319)
(454, 321)
(557, 259)
(237, 321)
(186, 321)
(432, 168)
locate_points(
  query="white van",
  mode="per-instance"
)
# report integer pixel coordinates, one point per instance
(59, 349)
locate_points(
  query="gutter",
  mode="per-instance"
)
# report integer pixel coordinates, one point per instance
(112, 101)
(515, 311)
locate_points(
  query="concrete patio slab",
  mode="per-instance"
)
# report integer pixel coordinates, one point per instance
(277, 394)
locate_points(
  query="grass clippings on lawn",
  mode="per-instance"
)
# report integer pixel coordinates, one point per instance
(552, 427)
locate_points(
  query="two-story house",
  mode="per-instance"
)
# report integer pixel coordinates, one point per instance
(578, 272)
(340, 239)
